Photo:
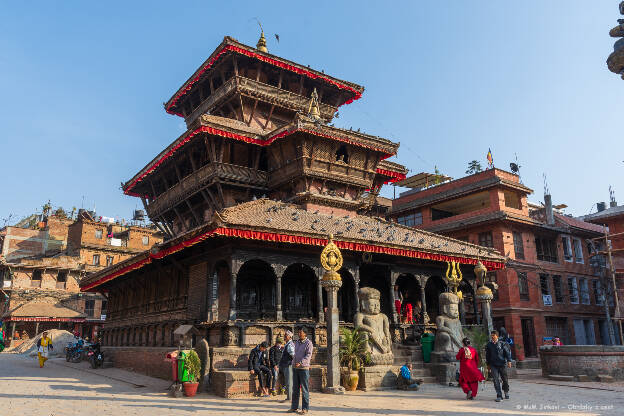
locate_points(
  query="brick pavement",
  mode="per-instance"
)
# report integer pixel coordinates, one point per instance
(63, 389)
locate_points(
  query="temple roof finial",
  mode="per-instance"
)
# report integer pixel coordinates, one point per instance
(261, 45)
(314, 110)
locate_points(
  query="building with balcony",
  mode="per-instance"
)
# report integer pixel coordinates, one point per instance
(548, 287)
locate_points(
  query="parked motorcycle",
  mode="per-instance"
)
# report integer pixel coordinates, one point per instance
(95, 356)
(74, 352)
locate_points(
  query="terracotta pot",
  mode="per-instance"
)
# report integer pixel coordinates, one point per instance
(190, 389)
(350, 380)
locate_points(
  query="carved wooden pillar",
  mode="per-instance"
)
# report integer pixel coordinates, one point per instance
(235, 267)
(393, 278)
(319, 294)
(423, 299)
(279, 270)
(356, 285)
(212, 296)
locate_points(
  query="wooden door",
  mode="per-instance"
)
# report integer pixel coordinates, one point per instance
(528, 337)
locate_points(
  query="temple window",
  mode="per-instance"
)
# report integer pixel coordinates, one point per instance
(256, 290)
(342, 155)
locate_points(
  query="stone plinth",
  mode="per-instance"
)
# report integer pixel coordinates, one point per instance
(378, 377)
(589, 360)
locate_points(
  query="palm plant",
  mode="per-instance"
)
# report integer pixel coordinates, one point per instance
(479, 339)
(353, 351)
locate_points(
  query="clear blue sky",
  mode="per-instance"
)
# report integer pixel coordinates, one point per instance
(82, 87)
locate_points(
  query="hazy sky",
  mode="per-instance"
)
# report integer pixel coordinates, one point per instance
(82, 88)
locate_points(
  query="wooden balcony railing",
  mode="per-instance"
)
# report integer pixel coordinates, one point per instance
(202, 177)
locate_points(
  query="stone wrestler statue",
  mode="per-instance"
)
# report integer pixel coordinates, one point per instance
(375, 325)
(449, 333)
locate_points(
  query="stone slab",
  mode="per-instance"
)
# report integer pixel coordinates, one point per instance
(558, 377)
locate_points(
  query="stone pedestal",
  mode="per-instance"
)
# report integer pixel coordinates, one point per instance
(333, 337)
(444, 372)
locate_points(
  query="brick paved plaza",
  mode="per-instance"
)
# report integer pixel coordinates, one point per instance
(62, 389)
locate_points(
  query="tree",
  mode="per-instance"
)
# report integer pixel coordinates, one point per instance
(474, 167)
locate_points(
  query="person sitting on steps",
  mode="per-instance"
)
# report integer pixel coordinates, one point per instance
(258, 364)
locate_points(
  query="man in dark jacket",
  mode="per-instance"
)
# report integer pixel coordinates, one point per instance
(275, 356)
(498, 359)
(258, 364)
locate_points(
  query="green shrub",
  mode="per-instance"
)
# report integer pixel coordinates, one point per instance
(192, 364)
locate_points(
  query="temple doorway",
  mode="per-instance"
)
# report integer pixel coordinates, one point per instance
(255, 291)
(377, 277)
(346, 297)
(299, 299)
(434, 287)
(409, 287)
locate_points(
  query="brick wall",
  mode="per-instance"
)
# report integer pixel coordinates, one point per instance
(145, 360)
(572, 360)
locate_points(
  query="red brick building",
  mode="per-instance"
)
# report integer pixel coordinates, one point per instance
(41, 269)
(613, 219)
(548, 287)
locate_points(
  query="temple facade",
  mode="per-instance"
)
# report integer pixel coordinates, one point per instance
(247, 197)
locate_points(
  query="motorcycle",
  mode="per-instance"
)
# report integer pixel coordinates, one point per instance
(95, 355)
(75, 352)
(69, 351)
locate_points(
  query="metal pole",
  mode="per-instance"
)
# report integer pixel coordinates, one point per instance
(615, 293)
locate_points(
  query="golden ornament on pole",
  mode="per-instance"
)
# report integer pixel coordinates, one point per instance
(331, 260)
(454, 277)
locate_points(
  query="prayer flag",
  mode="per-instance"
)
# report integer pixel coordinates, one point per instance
(490, 159)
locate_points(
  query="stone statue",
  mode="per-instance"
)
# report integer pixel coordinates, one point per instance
(203, 352)
(449, 333)
(375, 325)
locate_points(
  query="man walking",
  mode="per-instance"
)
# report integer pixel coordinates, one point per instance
(301, 373)
(498, 359)
(285, 364)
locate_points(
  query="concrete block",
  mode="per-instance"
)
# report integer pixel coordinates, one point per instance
(583, 378)
(603, 378)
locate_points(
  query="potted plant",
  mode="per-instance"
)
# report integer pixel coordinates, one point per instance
(192, 365)
(352, 355)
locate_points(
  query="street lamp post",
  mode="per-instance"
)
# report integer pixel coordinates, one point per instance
(331, 260)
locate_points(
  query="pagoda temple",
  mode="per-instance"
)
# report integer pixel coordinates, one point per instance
(247, 198)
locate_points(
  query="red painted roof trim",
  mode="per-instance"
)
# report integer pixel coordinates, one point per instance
(263, 58)
(286, 238)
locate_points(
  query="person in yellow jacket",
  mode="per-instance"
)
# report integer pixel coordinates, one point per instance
(44, 346)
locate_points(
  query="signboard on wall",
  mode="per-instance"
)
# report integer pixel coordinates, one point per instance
(102, 317)
(547, 299)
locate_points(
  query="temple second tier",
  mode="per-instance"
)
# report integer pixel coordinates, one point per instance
(220, 162)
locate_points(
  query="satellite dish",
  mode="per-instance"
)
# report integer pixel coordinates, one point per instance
(514, 167)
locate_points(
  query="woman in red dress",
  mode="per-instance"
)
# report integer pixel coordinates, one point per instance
(469, 373)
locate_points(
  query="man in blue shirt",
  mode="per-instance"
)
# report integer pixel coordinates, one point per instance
(405, 380)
